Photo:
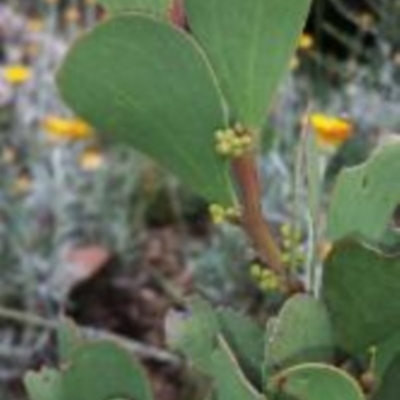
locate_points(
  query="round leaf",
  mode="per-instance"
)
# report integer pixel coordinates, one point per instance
(316, 382)
(148, 85)
(366, 196)
(301, 333)
(102, 370)
(361, 289)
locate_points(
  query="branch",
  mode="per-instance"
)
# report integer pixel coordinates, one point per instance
(139, 349)
(258, 229)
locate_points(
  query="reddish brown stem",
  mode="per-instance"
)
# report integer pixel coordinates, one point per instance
(177, 13)
(246, 174)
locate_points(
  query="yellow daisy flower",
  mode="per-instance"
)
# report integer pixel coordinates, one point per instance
(59, 128)
(17, 74)
(331, 131)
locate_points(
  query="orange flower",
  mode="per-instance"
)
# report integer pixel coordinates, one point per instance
(331, 131)
(59, 128)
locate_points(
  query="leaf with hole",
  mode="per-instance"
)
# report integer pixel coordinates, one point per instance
(361, 290)
(366, 196)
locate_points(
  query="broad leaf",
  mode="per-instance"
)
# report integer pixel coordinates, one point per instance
(246, 339)
(148, 85)
(195, 333)
(316, 382)
(361, 289)
(389, 387)
(157, 7)
(386, 353)
(301, 333)
(229, 381)
(44, 385)
(68, 339)
(102, 370)
(249, 44)
(366, 196)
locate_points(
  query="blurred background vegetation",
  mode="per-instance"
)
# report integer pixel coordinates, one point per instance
(102, 233)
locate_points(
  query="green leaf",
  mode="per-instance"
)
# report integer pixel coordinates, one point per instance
(389, 388)
(229, 381)
(249, 44)
(366, 196)
(386, 352)
(102, 370)
(195, 334)
(301, 333)
(69, 338)
(246, 339)
(44, 385)
(316, 382)
(148, 85)
(158, 7)
(361, 289)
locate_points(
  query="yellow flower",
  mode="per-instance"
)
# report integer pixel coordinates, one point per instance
(331, 131)
(306, 42)
(17, 74)
(59, 128)
(91, 160)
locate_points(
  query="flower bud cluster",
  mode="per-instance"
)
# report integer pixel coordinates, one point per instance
(233, 143)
